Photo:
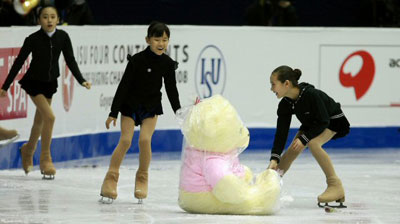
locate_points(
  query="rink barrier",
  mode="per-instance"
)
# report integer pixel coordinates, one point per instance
(102, 144)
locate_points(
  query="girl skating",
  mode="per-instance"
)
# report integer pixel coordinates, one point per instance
(40, 83)
(138, 99)
(321, 120)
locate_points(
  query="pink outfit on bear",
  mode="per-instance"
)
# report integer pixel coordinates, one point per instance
(201, 170)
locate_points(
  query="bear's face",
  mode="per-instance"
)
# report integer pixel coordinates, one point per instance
(214, 125)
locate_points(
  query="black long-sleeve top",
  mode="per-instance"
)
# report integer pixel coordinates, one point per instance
(313, 108)
(142, 81)
(45, 54)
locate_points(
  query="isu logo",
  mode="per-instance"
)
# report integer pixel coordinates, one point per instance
(362, 80)
(210, 72)
(67, 87)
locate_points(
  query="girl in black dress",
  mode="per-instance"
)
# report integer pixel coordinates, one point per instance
(138, 99)
(321, 120)
(40, 83)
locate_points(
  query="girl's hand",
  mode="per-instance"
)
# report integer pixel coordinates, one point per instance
(273, 165)
(297, 145)
(3, 93)
(87, 85)
(109, 120)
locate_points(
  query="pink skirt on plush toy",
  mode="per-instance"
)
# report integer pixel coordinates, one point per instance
(197, 165)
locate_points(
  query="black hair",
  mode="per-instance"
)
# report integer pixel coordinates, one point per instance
(47, 6)
(285, 72)
(157, 29)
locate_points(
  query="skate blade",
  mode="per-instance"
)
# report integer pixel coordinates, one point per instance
(340, 205)
(106, 200)
(48, 177)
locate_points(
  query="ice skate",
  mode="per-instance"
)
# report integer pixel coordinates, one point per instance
(27, 158)
(334, 192)
(108, 191)
(141, 184)
(7, 136)
(46, 167)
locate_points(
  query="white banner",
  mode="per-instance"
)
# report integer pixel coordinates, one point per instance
(360, 68)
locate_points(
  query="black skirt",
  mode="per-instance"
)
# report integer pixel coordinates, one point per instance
(141, 113)
(35, 87)
(339, 125)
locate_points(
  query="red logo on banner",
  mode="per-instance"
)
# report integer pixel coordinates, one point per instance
(363, 79)
(67, 87)
(15, 104)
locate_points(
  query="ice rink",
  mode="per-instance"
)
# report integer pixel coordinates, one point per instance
(371, 179)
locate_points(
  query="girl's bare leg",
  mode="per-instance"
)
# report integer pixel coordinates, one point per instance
(109, 187)
(42, 126)
(29, 148)
(146, 132)
(43, 105)
(289, 156)
(334, 191)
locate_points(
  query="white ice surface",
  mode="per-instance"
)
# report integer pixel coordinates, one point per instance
(371, 179)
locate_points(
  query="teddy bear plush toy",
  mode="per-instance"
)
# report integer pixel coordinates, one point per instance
(212, 181)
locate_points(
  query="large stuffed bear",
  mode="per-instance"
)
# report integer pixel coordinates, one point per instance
(212, 180)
